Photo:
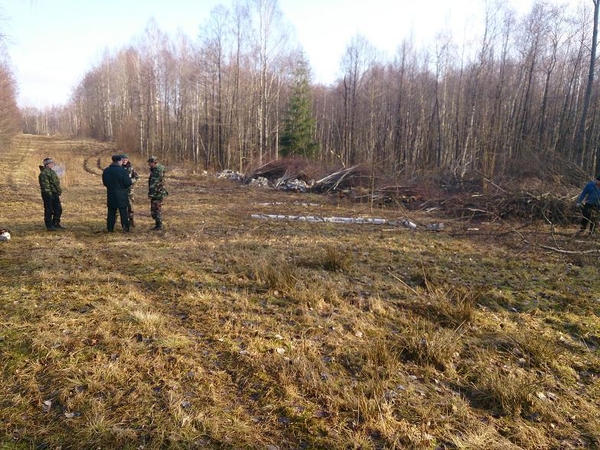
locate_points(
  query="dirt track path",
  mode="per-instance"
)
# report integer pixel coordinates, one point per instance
(80, 164)
(19, 188)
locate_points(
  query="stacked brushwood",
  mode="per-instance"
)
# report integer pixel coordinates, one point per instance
(397, 195)
(286, 174)
(358, 184)
(505, 206)
(541, 185)
(354, 183)
(277, 170)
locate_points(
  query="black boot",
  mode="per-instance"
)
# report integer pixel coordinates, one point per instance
(158, 226)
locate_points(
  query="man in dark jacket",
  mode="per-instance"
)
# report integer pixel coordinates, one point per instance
(51, 191)
(589, 201)
(117, 182)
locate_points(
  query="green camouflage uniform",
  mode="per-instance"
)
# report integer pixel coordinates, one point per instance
(157, 193)
(134, 178)
(49, 181)
(51, 191)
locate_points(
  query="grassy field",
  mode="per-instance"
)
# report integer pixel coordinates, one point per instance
(226, 331)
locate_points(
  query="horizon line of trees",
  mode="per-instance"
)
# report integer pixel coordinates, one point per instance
(241, 95)
(10, 117)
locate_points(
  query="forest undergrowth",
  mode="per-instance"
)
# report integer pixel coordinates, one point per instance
(228, 331)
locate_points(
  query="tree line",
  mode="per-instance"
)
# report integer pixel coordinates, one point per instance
(9, 111)
(240, 94)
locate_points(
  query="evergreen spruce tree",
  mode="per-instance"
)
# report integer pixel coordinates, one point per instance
(297, 138)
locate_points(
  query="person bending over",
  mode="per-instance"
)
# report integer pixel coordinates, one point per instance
(589, 201)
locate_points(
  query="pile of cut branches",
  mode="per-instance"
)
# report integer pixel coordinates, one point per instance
(359, 185)
(508, 205)
(282, 173)
(279, 169)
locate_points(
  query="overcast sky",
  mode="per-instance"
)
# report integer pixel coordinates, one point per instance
(52, 43)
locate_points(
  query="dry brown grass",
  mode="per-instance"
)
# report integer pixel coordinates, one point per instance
(229, 332)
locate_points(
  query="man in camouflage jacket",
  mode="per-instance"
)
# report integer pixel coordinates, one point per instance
(51, 192)
(156, 190)
(134, 179)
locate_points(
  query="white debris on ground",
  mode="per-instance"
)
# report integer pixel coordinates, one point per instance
(409, 224)
(349, 220)
(230, 175)
(260, 181)
(435, 226)
(295, 185)
(4, 235)
(283, 203)
(283, 183)
(321, 219)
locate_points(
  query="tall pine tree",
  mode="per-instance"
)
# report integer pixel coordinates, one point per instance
(298, 136)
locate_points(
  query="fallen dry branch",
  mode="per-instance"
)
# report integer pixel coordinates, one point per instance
(568, 252)
(339, 180)
(555, 249)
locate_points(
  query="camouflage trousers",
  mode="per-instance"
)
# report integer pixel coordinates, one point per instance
(156, 210)
(130, 208)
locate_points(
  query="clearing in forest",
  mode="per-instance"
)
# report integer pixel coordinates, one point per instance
(230, 331)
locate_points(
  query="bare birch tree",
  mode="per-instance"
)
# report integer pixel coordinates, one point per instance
(580, 137)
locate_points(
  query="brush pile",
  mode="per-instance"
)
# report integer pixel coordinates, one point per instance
(530, 199)
(298, 175)
(508, 205)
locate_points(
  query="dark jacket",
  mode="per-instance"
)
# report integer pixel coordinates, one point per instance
(591, 194)
(117, 182)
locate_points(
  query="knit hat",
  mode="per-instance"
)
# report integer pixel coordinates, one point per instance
(153, 159)
(116, 158)
(47, 161)
(124, 156)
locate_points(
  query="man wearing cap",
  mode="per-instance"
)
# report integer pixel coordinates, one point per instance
(51, 192)
(134, 178)
(589, 201)
(156, 190)
(117, 182)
